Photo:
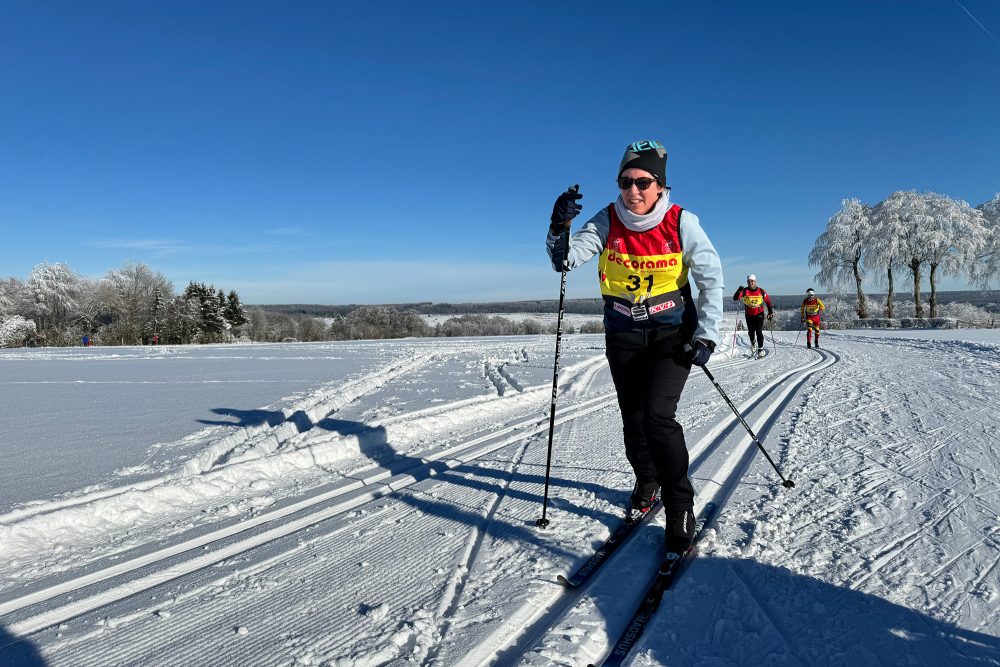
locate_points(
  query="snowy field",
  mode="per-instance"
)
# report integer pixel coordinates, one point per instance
(373, 503)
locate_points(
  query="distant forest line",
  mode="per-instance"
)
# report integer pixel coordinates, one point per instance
(986, 299)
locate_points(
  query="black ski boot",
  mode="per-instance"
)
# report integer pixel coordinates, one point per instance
(680, 531)
(644, 495)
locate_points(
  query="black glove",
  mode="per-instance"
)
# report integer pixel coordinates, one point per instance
(565, 209)
(700, 352)
(770, 316)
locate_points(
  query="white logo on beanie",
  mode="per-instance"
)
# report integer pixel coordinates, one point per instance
(647, 145)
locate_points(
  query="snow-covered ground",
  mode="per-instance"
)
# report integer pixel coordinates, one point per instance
(374, 503)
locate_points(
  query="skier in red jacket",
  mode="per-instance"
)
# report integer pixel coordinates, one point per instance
(812, 306)
(754, 300)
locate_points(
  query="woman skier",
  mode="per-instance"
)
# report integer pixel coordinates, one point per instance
(654, 329)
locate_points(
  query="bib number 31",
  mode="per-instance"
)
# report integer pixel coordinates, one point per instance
(636, 283)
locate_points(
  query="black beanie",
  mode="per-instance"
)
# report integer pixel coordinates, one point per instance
(648, 155)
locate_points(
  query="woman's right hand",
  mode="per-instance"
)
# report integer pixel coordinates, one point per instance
(565, 209)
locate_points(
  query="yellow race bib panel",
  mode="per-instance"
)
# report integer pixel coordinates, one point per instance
(643, 277)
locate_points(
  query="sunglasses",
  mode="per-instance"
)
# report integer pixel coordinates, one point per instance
(624, 182)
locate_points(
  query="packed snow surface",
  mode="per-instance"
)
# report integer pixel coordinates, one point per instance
(374, 503)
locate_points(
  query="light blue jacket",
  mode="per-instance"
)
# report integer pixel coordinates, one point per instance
(700, 256)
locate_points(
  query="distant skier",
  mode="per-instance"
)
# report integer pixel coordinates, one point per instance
(755, 299)
(654, 330)
(812, 306)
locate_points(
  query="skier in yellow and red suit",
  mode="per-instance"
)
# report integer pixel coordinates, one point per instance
(812, 306)
(754, 299)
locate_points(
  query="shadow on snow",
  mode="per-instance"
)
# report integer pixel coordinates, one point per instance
(374, 445)
(15, 652)
(740, 612)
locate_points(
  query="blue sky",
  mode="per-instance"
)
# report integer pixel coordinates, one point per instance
(391, 152)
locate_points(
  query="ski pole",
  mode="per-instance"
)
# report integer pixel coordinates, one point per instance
(787, 483)
(770, 329)
(543, 522)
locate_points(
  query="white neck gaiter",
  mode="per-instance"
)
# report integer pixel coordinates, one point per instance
(643, 223)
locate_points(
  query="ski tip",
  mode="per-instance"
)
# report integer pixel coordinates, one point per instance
(565, 582)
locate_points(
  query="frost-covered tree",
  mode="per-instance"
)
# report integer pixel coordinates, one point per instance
(15, 330)
(953, 239)
(212, 323)
(907, 213)
(51, 296)
(839, 250)
(181, 321)
(986, 268)
(379, 322)
(886, 250)
(257, 325)
(94, 309)
(132, 290)
(10, 291)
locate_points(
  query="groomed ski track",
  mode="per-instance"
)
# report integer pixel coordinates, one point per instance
(422, 550)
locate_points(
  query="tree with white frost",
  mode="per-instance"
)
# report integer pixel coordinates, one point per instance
(15, 330)
(132, 292)
(986, 268)
(952, 239)
(886, 249)
(908, 213)
(52, 294)
(839, 250)
(10, 288)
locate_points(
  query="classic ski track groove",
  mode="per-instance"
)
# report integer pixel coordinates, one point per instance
(476, 544)
(458, 454)
(357, 492)
(247, 434)
(549, 614)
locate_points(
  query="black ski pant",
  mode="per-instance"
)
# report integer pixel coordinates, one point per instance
(649, 370)
(755, 325)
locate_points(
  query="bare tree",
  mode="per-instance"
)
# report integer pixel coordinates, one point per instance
(839, 250)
